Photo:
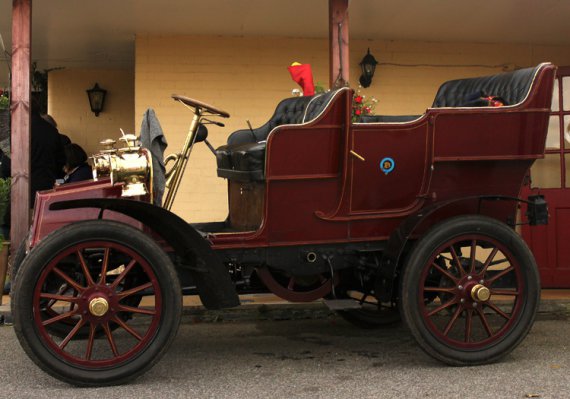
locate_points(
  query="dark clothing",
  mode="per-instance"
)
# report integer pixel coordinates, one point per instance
(82, 172)
(153, 138)
(46, 156)
(65, 140)
(5, 165)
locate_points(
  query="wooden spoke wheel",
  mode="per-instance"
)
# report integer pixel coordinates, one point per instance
(105, 333)
(470, 291)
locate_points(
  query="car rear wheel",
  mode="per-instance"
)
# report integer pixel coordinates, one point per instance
(470, 291)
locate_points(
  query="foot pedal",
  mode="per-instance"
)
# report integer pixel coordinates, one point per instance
(342, 304)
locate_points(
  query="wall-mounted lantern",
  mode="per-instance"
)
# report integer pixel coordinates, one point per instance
(96, 99)
(368, 66)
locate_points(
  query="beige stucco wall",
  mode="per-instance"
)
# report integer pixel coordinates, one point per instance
(69, 105)
(248, 77)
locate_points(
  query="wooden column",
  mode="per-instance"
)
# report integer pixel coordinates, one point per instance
(338, 49)
(21, 123)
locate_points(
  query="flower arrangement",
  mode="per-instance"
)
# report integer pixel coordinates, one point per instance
(361, 105)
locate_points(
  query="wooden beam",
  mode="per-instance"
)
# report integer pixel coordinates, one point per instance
(21, 122)
(338, 48)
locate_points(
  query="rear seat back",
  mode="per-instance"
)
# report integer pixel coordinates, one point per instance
(512, 87)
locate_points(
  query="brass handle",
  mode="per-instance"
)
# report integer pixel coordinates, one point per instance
(352, 152)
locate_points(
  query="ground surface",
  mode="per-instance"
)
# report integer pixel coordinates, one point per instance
(324, 358)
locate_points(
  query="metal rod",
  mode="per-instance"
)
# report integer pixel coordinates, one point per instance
(173, 183)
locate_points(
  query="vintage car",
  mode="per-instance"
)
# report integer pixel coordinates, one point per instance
(384, 216)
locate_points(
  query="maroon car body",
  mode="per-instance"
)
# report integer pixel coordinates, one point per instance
(386, 212)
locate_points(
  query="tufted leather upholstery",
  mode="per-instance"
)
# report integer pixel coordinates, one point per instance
(243, 158)
(511, 86)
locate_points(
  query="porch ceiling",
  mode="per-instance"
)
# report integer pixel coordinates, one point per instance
(101, 33)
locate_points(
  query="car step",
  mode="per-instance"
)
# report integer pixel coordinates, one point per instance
(342, 304)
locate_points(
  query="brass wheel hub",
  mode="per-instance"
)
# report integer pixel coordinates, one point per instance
(480, 293)
(98, 306)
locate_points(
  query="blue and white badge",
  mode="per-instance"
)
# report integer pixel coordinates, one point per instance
(387, 165)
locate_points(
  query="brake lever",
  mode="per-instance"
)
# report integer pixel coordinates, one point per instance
(210, 146)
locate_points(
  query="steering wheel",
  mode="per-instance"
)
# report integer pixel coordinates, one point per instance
(199, 104)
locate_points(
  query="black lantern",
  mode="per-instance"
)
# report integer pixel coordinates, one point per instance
(96, 99)
(368, 66)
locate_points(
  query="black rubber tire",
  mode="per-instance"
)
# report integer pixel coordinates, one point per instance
(17, 260)
(75, 234)
(424, 250)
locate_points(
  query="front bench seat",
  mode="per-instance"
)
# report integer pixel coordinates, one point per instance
(243, 157)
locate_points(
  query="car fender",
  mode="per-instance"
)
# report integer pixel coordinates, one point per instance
(212, 279)
(399, 239)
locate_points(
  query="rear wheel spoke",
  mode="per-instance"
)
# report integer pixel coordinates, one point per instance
(72, 333)
(451, 323)
(130, 309)
(472, 260)
(445, 273)
(57, 297)
(104, 267)
(489, 260)
(135, 290)
(60, 317)
(68, 279)
(442, 307)
(85, 268)
(123, 274)
(499, 275)
(498, 310)
(126, 327)
(485, 322)
(439, 289)
(505, 292)
(110, 338)
(457, 261)
(90, 341)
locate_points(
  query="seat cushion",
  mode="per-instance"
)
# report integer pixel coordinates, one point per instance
(250, 156)
(245, 162)
(223, 156)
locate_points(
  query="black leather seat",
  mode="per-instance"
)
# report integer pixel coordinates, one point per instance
(243, 157)
(513, 87)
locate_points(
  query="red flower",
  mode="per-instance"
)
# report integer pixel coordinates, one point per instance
(358, 99)
(357, 112)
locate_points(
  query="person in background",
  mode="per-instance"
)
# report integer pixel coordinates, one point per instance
(46, 153)
(65, 140)
(76, 167)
